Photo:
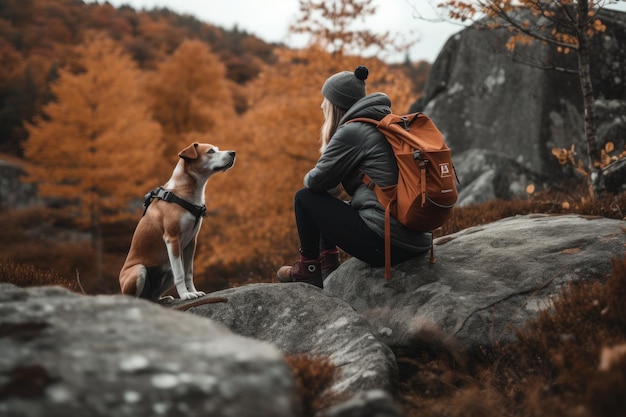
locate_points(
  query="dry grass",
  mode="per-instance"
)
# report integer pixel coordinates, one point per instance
(573, 201)
(560, 352)
(313, 376)
(569, 361)
(30, 276)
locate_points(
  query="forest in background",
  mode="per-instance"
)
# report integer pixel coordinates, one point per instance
(91, 95)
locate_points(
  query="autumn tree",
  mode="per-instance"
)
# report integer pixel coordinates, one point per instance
(338, 27)
(189, 96)
(568, 25)
(95, 145)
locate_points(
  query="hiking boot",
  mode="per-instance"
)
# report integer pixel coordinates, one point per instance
(329, 261)
(302, 270)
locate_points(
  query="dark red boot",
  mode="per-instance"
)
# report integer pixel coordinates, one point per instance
(329, 261)
(303, 270)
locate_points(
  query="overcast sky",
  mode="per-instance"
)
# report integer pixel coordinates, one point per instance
(270, 19)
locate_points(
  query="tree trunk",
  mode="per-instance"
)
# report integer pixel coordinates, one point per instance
(596, 183)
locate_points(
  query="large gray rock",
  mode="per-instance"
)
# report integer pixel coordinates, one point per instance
(65, 354)
(487, 175)
(487, 280)
(300, 318)
(481, 98)
(372, 403)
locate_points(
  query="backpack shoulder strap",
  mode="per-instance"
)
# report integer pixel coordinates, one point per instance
(363, 119)
(387, 197)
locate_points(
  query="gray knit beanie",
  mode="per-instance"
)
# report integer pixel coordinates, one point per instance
(346, 88)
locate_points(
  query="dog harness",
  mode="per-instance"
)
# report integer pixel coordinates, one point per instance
(162, 194)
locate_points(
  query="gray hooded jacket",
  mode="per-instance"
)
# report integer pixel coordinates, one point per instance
(360, 146)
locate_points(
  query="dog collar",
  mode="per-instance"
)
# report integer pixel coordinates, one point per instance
(165, 195)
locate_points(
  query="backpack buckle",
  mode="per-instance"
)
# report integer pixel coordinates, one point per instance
(405, 123)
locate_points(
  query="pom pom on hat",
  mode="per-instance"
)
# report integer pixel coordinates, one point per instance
(361, 72)
(346, 88)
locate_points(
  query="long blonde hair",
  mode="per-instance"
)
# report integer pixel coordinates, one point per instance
(332, 117)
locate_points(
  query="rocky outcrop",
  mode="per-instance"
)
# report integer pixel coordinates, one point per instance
(64, 354)
(486, 175)
(486, 282)
(300, 318)
(69, 354)
(64, 350)
(481, 97)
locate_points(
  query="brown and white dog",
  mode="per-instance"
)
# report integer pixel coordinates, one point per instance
(164, 243)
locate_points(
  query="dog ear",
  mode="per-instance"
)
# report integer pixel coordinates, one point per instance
(190, 152)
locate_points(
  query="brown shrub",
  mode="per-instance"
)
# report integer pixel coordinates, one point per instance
(313, 376)
(553, 369)
(560, 350)
(548, 202)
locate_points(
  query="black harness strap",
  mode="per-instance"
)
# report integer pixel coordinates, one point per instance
(162, 194)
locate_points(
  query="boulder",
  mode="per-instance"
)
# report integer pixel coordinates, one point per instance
(487, 280)
(486, 175)
(301, 318)
(482, 97)
(65, 354)
(372, 403)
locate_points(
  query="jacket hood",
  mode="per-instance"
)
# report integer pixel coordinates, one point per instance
(375, 106)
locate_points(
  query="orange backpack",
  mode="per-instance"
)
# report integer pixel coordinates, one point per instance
(426, 190)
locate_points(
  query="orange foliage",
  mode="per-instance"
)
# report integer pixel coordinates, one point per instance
(314, 377)
(189, 96)
(107, 18)
(549, 23)
(95, 134)
(159, 33)
(608, 155)
(38, 36)
(334, 27)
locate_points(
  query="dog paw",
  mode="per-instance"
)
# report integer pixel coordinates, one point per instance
(191, 295)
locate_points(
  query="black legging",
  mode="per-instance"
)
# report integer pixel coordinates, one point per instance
(326, 220)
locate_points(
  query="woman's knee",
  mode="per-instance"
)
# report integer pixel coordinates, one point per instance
(306, 197)
(301, 193)
(300, 196)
